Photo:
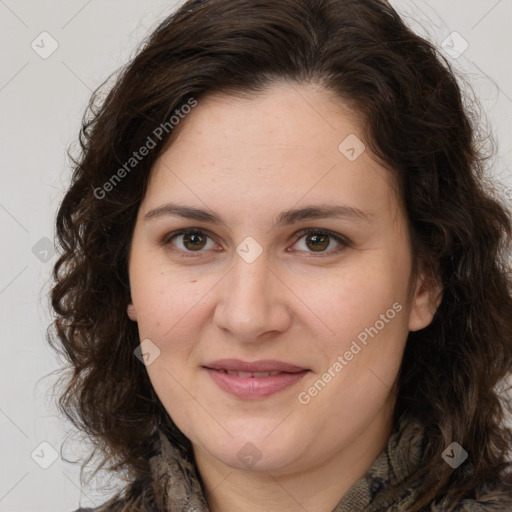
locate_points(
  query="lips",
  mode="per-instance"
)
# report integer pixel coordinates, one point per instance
(266, 365)
(255, 380)
(246, 375)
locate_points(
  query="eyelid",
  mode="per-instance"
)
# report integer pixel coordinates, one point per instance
(343, 241)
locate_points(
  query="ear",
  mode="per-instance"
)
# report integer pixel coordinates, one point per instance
(428, 295)
(132, 314)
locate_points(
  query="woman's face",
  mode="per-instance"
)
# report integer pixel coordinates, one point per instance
(327, 313)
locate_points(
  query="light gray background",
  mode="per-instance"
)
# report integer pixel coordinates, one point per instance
(42, 101)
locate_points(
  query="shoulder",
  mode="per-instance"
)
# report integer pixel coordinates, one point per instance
(483, 506)
(110, 506)
(499, 500)
(137, 495)
(115, 507)
(502, 505)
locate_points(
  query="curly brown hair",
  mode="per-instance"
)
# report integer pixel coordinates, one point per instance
(417, 121)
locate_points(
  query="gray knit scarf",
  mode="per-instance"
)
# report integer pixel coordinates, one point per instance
(174, 484)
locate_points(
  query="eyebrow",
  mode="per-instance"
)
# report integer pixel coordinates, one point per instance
(285, 218)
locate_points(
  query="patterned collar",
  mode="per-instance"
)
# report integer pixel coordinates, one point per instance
(391, 484)
(178, 488)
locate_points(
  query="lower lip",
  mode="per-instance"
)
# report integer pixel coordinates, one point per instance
(254, 387)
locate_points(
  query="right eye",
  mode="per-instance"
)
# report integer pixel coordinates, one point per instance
(193, 241)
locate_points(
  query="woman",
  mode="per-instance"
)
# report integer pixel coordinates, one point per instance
(283, 282)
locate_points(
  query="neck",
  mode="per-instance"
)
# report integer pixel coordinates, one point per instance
(317, 489)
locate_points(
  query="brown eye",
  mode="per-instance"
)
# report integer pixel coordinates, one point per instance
(188, 241)
(194, 241)
(317, 242)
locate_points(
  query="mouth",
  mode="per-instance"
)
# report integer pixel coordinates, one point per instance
(262, 366)
(254, 380)
(246, 375)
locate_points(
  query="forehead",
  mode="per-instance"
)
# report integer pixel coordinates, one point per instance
(287, 143)
(302, 118)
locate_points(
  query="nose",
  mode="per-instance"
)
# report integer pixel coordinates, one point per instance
(253, 301)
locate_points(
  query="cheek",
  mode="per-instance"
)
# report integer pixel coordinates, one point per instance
(350, 302)
(366, 311)
(170, 309)
(159, 296)
(169, 313)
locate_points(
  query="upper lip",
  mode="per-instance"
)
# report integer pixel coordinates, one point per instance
(265, 365)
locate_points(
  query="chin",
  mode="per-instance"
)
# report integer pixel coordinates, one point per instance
(254, 453)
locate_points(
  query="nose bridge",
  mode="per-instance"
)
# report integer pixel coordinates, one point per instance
(251, 303)
(248, 279)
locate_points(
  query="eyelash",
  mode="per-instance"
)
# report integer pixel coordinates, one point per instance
(344, 243)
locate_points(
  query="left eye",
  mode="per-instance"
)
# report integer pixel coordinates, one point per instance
(317, 241)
